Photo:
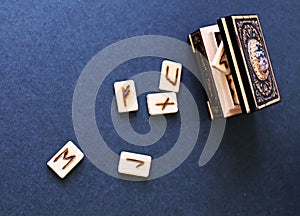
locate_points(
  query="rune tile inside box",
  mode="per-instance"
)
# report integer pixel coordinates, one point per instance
(220, 60)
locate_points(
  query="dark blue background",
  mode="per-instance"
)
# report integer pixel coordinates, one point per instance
(44, 47)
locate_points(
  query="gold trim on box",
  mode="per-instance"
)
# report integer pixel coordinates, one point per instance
(210, 111)
(242, 51)
(245, 100)
(192, 43)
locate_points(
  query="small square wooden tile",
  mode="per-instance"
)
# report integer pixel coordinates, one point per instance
(170, 76)
(65, 159)
(162, 103)
(134, 164)
(126, 96)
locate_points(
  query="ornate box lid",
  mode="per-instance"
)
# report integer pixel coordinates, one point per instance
(249, 61)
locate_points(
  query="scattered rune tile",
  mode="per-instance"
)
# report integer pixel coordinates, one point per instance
(170, 76)
(162, 103)
(65, 159)
(134, 164)
(126, 96)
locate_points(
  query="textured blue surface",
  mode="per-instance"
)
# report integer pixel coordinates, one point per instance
(44, 47)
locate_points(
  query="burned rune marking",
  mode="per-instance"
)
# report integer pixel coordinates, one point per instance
(223, 60)
(176, 76)
(125, 93)
(65, 157)
(140, 162)
(165, 104)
